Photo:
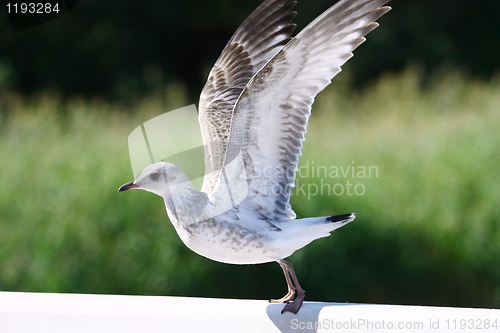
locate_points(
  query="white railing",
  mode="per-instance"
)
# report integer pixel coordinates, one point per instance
(75, 313)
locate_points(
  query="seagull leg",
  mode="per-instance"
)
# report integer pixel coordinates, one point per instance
(291, 289)
(294, 306)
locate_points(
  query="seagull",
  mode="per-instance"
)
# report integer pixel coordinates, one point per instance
(253, 114)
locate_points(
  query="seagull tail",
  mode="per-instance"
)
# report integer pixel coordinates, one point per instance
(303, 231)
(343, 219)
(330, 223)
(312, 228)
(324, 225)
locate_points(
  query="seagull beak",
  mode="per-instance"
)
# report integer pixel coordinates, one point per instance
(128, 186)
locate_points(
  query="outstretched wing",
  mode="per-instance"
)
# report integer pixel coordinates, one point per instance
(262, 34)
(271, 115)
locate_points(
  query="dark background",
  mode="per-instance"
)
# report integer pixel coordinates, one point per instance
(124, 48)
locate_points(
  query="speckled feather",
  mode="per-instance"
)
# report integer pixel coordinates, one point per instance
(262, 34)
(269, 119)
(254, 112)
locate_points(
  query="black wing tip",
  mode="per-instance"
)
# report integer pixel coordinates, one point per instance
(341, 218)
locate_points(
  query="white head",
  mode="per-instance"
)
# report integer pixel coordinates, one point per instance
(158, 178)
(184, 203)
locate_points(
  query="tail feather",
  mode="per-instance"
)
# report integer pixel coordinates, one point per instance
(304, 231)
(317, 227)
(330, 223)
(341, 218)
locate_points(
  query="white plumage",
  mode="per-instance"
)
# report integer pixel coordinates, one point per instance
(254, 111)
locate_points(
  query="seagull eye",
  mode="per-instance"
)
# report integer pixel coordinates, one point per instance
(155, 175)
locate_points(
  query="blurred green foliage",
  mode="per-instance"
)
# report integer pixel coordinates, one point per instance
(122, 49)
(427, 230)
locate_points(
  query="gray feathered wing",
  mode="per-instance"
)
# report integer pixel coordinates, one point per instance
(270, 117)
(262, 34)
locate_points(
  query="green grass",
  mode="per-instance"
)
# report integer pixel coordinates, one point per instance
(427, 230)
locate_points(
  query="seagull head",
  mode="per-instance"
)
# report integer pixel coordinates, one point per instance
(157, 178)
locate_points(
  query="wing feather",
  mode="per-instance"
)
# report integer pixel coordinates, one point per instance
(270, 117)
(262, 34)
